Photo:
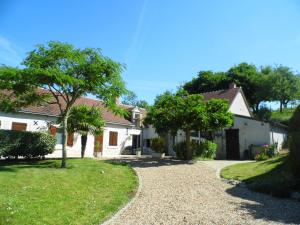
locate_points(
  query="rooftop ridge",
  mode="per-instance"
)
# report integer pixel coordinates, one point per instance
(219, 90)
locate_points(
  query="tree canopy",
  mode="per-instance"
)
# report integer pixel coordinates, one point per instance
(131, 99)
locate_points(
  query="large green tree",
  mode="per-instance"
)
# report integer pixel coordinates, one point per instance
(285, 86)
(67, 73)
(84, 120)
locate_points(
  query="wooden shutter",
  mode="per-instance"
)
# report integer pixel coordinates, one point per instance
(70, 139)
(19, 126)
(113, 138)
(53, 130)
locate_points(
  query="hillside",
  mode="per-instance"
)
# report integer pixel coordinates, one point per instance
(282, 117)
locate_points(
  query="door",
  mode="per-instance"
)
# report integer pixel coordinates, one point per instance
(232, 144)
(136, 143)
(98, 144)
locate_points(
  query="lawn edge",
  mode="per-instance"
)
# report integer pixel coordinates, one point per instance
(122, 208)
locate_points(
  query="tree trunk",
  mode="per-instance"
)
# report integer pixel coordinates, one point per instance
(280, 108)
(189, 153)
(83, 144)
(65, 139)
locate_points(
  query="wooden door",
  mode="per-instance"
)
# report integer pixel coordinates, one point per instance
(98, 143)
(232, 144)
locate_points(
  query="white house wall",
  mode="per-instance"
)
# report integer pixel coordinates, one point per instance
(277, 136)
(34, 122)
(124, 139)
(239, 106)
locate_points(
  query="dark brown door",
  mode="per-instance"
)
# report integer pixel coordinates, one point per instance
(98, 143)
(232, 144)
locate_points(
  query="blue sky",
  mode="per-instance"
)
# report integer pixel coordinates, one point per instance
(162, 43)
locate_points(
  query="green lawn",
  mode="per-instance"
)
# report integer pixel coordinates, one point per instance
(39, 192)
(272, 176)
(283, 116)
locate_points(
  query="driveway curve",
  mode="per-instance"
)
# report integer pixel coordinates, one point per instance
(176, 192)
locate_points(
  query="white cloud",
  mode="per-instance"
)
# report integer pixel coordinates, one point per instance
(9, 53)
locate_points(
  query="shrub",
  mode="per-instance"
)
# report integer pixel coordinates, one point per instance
(294, 142)
(26, 144)
(158, 145)
(208, 149)
(261, 156)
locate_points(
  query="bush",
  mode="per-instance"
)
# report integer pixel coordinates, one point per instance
(206, 149)
(26, 144)
(158, 145)
(261, 156)
(294, 142)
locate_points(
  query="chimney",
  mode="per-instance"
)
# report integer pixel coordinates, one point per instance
(232, 85)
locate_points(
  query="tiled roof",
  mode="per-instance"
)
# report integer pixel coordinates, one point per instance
(53, 110)
(228, 94)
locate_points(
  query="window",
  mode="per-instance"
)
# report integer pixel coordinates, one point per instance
(19, 126)
(113, 138)
(147, 143)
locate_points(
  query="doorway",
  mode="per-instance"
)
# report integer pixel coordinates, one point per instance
(232, 144)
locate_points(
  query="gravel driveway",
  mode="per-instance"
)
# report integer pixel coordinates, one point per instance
(174, 192)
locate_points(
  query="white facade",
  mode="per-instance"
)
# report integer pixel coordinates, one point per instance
(41, 123)
(239, 106)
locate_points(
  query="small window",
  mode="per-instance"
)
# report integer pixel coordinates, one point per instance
(19, 126)
(113, 138)
(147, 143)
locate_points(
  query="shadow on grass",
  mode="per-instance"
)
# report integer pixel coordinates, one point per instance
(278, 182)
(16, 165)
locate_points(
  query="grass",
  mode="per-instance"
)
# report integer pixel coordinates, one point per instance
(283, 116)
(39, 192)
(272, 176)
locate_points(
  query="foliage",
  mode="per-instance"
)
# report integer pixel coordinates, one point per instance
(17, 91)
(272, 176)
(68, 73)
(261, 156)
(285, 86)
(37, 192)
(84, 120)
(258, 84)
(131, 99)
(208, 149)
(187, 112)
(26, 144)
(207, 81)
(158, 144)
(266, 152)
(282, 117)
(263, 114)
(294, 142)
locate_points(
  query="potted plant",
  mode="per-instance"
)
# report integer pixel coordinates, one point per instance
(158, 146)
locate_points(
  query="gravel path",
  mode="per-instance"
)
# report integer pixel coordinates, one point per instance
(174, 192)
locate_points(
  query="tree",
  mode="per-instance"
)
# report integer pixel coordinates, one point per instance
(285, 86)
(219, 116)
(207, 81)
(253, 82)
(84, 120)
(131, 99)
(67, 73)
(174, 111)
(294, 142)
(15, 91)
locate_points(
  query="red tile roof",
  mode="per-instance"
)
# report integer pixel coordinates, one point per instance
(228, 94)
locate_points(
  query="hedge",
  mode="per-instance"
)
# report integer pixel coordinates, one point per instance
(25, 144)
(294, 142)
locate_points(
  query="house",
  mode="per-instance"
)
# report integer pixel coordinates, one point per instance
(237, 141)
(119, 133)
(122, 135)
